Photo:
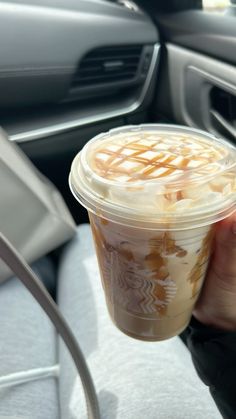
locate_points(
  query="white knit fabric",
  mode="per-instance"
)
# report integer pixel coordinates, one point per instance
(27, 341)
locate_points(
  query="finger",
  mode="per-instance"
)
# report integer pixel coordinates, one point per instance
(216, 306)
(224, 260)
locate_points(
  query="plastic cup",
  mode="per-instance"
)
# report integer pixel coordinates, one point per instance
(154, 194)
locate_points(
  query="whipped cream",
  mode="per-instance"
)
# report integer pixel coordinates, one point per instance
(157, 172)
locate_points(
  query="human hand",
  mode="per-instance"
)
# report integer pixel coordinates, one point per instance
(216, 306)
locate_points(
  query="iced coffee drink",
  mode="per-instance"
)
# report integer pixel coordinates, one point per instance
(154, 194)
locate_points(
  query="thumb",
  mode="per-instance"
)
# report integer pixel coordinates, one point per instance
(217, 303)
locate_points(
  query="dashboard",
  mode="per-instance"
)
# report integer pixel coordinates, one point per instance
(68, 63)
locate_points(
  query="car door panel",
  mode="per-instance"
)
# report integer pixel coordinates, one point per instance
(200, 68)
(209, 33)
(192, 77)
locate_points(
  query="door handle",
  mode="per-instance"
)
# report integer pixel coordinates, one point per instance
(223, 123)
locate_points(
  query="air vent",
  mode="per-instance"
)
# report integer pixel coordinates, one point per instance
(108, 65)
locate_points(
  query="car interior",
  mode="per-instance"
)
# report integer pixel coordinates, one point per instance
(72, 69)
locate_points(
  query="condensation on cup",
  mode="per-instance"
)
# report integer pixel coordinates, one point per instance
(154, 194)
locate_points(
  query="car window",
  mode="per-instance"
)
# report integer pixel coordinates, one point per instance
(218, 6)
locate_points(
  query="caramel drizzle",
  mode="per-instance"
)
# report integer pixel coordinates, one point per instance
(112, 166)
(203, 258)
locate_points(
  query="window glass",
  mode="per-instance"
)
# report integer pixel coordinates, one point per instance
(216, 6)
